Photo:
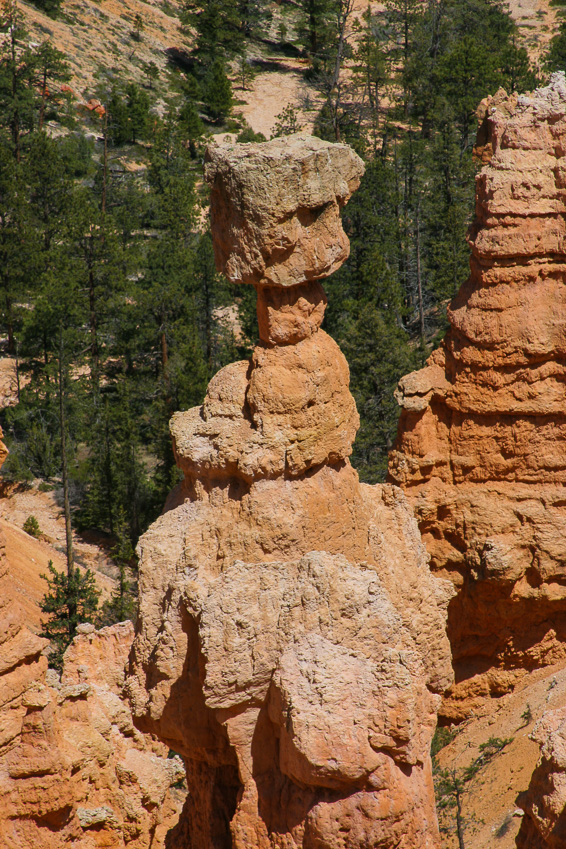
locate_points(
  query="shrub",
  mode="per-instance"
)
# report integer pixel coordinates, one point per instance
(31, 527)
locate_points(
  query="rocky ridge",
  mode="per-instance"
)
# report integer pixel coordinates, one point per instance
(480, 452)
(291, 642)
(73, 769)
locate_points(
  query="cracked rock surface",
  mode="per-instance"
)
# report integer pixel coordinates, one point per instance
(291, 644)
(481, 446)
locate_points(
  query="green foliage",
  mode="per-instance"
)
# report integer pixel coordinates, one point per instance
(128, 114)
(70, 600)
(50, 7)
(555, 59)
(248, 135)
(450, 785)
(220, 27)
(122, 604)
(217, 27)
(31, 527)
(151, 71)
(217, 92)
(287, 122)
(138, 28)
(442, 737)
(527, 715)
(492, 747)
(109, 294)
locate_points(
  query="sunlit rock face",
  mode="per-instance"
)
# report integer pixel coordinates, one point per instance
(74, 772)
(291, 643)
(481, 447)
(544, 802)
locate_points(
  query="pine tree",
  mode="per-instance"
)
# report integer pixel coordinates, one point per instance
(217, 92)
(122, 605)
(51, 68)
(72, 598)
(555, 59)
(217, 28)
(18, 66)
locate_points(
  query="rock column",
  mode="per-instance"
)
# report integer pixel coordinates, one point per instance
(291, 642)
(481, 449)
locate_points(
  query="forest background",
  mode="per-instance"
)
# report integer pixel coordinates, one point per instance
(109, 299)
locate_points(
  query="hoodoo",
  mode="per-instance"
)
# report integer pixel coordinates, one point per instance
(481, 448)
(291, 642)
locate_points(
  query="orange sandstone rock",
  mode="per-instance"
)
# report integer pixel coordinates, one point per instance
(544, 803)
(291, 643)
(74, 772)
(275, 208)
(481, 447)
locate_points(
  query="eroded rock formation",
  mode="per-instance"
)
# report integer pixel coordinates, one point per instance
(544, 803)
(74, 772)
(291, 642)
(481, 449)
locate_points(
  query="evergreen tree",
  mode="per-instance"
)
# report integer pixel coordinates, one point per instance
(555, 59)
(50, 7)
(51, 68)
(216, 25)
(18, 66)
(122, 604)
(72, 598)
(217, 92)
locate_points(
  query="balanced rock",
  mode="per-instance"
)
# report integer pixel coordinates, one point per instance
(275, 208)
(291, 642)
(481, 447)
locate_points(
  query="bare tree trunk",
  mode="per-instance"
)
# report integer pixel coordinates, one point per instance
(334, 87)
(43, 100)
(18, 373)
(108, 471)
(419, 278)
(65, 473)
(105, 163)
(459, 820)
(16, 116)
(164, 350)
(93, 318)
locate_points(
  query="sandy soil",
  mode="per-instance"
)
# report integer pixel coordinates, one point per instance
(489, 807)
(269, 93)
(96, 37)
(46, 507)
(27, 562)
(9, 382)
(537, 22)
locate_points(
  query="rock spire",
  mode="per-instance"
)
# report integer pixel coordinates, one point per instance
(291, 642)
(481, 447)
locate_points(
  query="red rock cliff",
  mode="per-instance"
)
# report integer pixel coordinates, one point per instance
(291, 641)
(481, 448)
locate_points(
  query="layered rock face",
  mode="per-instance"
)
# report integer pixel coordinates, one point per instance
(544, 803)
(291, 642)
(481, 448)
(73, 769)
